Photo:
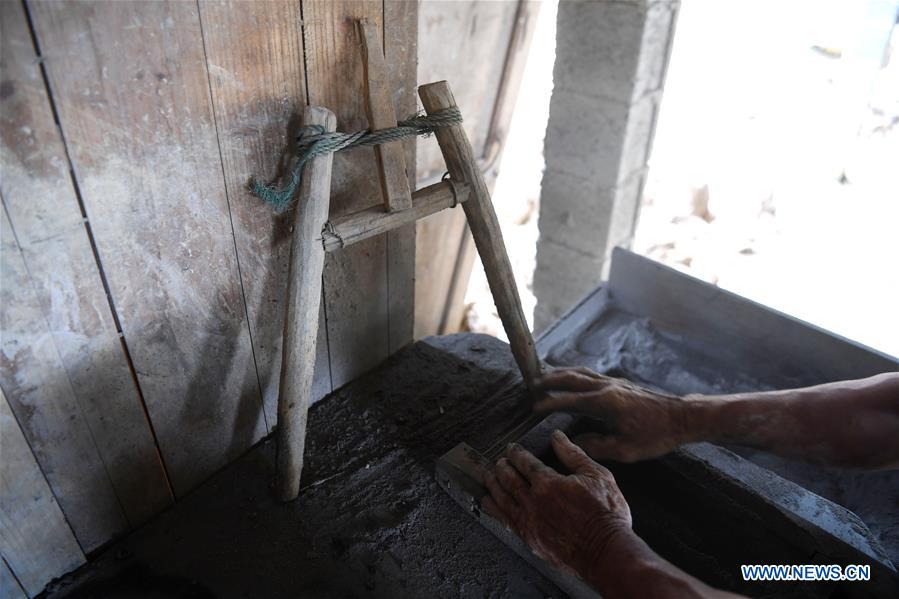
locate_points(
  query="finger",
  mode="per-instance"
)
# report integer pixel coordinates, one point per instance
(491, 507)
(589, 372)
(510, 479)
(526, 463)
(572, 456)
(560, 401)
(567, 379)
(505, 501)
(605, 447)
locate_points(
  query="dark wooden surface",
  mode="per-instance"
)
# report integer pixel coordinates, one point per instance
(35, 539)
(254, 58)
(62, 365)
(143, 285)
(137, 117)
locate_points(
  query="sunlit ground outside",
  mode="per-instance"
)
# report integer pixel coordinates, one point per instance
(775, 166)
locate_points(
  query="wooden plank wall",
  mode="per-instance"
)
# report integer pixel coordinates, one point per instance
(34, 536)
(142, 285)
(9, 586)
(483, 65)
(62, 364)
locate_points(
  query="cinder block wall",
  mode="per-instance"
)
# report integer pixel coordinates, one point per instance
(611, 58)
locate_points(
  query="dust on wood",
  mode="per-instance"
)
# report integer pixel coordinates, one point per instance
(35, 539)
(137, 112)
(401, 53)
(355, 280)
(42, 398)
(62, 272)
(254, 55)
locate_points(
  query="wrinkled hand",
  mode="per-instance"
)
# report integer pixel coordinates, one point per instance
(642, 424)
(566, 520)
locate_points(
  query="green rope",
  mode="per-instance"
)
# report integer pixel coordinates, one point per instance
(314, 141)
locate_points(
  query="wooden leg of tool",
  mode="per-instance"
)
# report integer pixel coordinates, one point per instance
(485, 229)
(304, 290)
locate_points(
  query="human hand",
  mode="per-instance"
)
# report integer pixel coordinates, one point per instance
(566, 520)
(642, 424)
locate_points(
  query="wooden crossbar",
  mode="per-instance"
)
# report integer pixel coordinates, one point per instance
(352, 228)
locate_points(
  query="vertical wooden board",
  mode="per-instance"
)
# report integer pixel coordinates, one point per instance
(9, 586)
(254, 54)
(35, 539)
(39, 392)
(437, 244)
(473, 64)
(464, 43)
(38, 194)
(401, 53)
(380, 107)
(356, 289)
(524, 24)
(131, 87)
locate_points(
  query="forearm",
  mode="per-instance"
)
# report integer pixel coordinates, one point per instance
(626, 567)
(847, 423)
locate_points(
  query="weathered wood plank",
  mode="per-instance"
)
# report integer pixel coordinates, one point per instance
(438, 242)
(484, 65)
(733, 327)
(465, 43)
(40, 394)
(131, 87)
(381, 111)
(254, 54)
(401, 53)
(304, 292)
(485, 229)
(353, 228)
(35, 539)
(525, 22)
(9, 586)
(356, 287)
(44, 211)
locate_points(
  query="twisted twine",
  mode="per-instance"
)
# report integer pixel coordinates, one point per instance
(314, 141)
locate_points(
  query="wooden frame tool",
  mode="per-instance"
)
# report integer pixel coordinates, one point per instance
(314, 234)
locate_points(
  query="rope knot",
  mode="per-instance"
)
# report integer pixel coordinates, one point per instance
(313, 141)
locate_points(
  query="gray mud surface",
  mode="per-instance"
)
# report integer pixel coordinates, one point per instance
(624, 345)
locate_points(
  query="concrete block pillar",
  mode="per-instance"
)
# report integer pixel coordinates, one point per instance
(611, 57)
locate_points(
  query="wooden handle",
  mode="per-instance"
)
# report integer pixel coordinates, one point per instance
(485, 229)
(304, 291)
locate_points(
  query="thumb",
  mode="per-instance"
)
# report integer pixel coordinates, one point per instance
(572, 456)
